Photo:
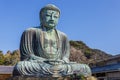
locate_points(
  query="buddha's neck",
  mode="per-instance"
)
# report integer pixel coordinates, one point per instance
(48, 30)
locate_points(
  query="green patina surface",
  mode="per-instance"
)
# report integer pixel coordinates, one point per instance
(45, 50)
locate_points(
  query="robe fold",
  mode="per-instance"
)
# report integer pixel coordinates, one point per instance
(34, 55)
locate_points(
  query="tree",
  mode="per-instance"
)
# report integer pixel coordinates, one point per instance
(1, 58)
(11, 58)
(15, 57)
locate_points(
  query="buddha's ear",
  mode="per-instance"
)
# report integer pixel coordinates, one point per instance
(41, 20)
(40, 16)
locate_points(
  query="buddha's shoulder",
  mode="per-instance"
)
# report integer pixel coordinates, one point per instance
(32, 29)
(61, 33)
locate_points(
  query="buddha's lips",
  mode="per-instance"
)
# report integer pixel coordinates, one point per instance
(52, 22)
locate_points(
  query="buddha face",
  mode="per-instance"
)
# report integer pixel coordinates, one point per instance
(50, 18)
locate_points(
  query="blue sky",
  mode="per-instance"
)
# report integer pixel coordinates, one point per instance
(95, 22)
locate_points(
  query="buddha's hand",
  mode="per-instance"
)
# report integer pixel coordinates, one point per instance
(58, 68)
(54, 62)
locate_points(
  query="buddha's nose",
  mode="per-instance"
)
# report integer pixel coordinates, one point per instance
(52, 17)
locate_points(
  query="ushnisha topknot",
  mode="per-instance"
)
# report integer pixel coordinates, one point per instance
(49, 7)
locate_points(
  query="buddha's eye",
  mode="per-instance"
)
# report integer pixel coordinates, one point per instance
(55, 16)
(47, 15)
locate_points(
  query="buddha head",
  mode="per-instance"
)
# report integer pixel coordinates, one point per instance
(49, 16)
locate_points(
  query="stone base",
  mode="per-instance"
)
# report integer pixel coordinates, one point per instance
(51, 78)
(39, 78)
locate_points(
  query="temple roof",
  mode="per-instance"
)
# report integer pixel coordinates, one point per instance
(6, 69)
(106, 68)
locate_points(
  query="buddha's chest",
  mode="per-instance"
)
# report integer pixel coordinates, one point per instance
(51, 45)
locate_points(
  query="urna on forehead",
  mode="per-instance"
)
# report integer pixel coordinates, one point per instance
(50, 7)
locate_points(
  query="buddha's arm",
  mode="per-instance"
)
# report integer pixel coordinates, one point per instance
(27, 46)
(66, 50)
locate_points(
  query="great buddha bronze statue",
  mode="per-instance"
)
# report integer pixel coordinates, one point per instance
(45, 50)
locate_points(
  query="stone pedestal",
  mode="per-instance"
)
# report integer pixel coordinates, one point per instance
(39, 78)
(73, 77)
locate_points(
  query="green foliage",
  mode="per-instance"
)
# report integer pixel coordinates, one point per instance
(1, 58)
(10, 58)
(15, 57)
(88, 53)
(78, 44)
(7, 60)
